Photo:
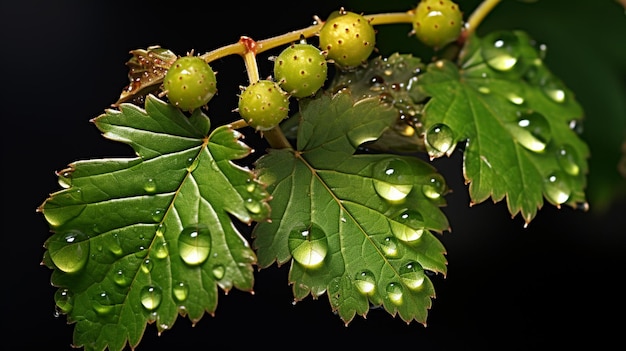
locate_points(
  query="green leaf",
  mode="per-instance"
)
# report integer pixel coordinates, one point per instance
(142, 240)
(517, 122)
(358, 227)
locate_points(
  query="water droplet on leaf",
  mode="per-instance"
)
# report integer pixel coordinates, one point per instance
(408, 225)
(532, 131)
(439, 140)
(412, 275)
(151, 297)
(391, 177)
(69, 251)
(308, 246)
(365, 282)
(194, 244)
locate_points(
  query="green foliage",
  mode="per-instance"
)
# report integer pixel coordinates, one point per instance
(341, 194)
(155, 232)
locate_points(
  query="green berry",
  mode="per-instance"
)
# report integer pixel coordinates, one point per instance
(189, 83)
(348, 38)
(437, 22)
(301, 69)
(263, 104)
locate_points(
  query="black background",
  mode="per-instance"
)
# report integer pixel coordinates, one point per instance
(557, 282)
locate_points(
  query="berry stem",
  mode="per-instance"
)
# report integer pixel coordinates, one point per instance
(478, 16)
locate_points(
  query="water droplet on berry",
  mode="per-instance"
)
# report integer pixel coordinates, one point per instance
(194, 244)
(308, 246)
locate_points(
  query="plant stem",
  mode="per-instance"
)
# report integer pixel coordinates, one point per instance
(479, 15)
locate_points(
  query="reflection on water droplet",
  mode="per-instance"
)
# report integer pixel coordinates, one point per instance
(439, 140)
(192, 163)
(69, 251)
(532, 131)
(180, 291)
(568, 159)
(151, 297)
(102, 303)
(395, 293)
(218, 271)
(501, 50)
(514, 98)
(64, 301)
(365, 282)
(407, 225)
(146, 266)
(390, 246)
(112, 243)
(435, 188)
(557, 188)
(308, 246)
(253, 206)
(412, 275)
(194, 244)
(65, 178)
(121, 278)
(392, 179)
(160, 248)
(157, 214)
(149, 186)
(554, 89)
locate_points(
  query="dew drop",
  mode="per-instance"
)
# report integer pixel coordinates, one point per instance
(533, 131)
(365, 282)
(65, 178)
(395, 293)
(151, 297)
(435, 187)
(557, 188)
(160, 249)
(218, 271)
(69, 251)
(112, 243)
(180, 291)
(192, 163)
(102, 303)
(412, 275)
(500, 50)
(568, 159)
(64, 300)
(253, 206)
(390, 246)
(514, 98)
(121, 279)
(146, 266)
(391, 177)
(308, 246)
(554, 89)
(194, 244)
(157, 214)
(439, 140)
(408, 225)
(149, 186)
